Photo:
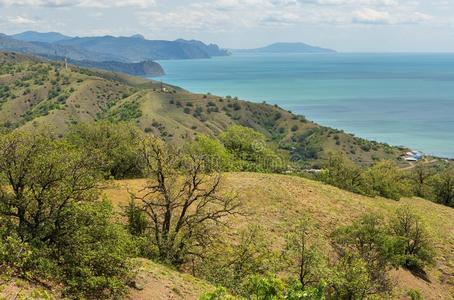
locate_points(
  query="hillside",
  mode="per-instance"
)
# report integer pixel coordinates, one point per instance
(136, 48)
(37, 93)
(46, 37)
(153, 281)
(286, 48)
(279, 199)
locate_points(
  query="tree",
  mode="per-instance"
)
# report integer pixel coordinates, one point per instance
(119, 145)
(250, 148)
(350, 278)
(40, 178)
(213, 152)
(369, 240)
(183, 204)
(302, 256)
(421, 176)
(342, 173)
(385, 179)
(414, 246)
(443, 187)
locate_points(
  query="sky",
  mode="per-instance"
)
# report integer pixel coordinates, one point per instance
(344, 25)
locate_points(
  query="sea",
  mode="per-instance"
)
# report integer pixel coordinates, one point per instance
(401, 99)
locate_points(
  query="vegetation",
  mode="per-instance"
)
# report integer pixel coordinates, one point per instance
(256, 236)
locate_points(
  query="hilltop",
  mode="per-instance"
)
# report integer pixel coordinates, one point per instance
(39, 93)
(286, 48)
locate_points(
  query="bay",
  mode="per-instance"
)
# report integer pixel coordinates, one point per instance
(401, 99)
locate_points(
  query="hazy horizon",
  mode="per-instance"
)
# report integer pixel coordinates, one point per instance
(344, 25)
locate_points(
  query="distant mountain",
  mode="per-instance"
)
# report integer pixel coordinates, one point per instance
(46, 37)
(7, 43)
(136, 48)
(286, 48)
(145, 68)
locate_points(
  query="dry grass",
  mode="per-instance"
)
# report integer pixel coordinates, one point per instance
(274, 201)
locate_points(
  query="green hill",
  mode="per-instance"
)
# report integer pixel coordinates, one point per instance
(39, 93)
(280, 199)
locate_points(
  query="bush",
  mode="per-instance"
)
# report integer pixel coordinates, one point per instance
(213, 152)
(250, 149)
(117, 144)
(414, 247)
(94, 252)
(385, 179)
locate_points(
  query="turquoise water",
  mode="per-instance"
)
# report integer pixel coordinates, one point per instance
(401, 99)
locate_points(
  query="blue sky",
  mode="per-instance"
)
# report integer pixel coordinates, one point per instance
(345, 25)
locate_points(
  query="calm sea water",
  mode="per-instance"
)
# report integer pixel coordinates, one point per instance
(401, 99)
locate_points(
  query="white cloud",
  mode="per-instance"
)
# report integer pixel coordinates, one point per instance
(21, 21)
(372, 16)
(81, 3)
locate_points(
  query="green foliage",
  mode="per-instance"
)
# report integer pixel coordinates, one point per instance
(52, 227)
(250, 149)
(264, 288)
(368, 240)
(442, 185)
(182, 201)
(340, 172)
(350, 278)
(414, 247)
(385, 179)
(125, 112)
(40, 177)
(213, 152)
(302, 256)
(93, 253)
(415, 294)
(117, 144)
(229, 265)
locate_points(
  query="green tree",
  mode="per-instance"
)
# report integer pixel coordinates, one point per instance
(250, 148)
(213, 152)
(183, 203)
(302, 256)
(443, 187)
(40, 178)
(385, 179)
(340, 172)
(350, 278)
(119, 145)
(369, 240)
(414, 246)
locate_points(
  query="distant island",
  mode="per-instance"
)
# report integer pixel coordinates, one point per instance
(285, 48)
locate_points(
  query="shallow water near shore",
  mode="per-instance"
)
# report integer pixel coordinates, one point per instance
(401, 99)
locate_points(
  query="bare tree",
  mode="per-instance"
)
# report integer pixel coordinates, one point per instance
(182, 202)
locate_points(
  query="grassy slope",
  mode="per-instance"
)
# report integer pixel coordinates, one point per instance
(153, 281)
(94, 94)
(280, 199)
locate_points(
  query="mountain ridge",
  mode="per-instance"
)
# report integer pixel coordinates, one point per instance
(286, 47)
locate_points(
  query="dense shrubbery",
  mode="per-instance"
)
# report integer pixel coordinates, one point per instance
(117, 144)
(51, 226)
(384, 179)
(250, 150)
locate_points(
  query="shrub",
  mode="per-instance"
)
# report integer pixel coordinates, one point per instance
(385, 179)
(415, 249)
(250, 148)
(117, 144)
